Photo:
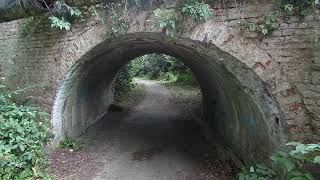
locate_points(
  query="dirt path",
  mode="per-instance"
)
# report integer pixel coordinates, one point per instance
(154, 141)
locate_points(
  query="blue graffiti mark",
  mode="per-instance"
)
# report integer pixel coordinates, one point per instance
(84, 91)
(250, 123)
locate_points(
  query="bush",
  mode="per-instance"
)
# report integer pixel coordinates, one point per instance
(265, 27)
(196, 9)
(23, 134)
(168, 76)
(161, 67)
(151, 66)
(123, 83)
(286, 166)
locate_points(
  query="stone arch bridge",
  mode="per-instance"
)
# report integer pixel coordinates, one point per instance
(257, 93)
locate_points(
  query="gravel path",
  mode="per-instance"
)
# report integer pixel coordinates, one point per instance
(153, 141)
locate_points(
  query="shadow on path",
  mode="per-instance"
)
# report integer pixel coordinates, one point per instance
(154, 141)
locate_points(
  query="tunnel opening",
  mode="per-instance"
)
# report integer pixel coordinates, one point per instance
(164, 69)
(234, 99)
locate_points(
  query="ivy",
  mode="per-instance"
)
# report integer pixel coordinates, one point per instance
(23, 134)
(196, 9)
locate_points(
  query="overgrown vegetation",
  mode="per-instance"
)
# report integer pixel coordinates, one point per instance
(296, 7)
(265, 27)
(118, 18)
(286, 166)
(287, 8)
(24, 131)
(162, 67)
(71, 144)
(151, 66)
(166, 20)
(123, 83)
(60, 16)
(196, 9)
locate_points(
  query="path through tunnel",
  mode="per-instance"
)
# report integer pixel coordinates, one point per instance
(234, 102)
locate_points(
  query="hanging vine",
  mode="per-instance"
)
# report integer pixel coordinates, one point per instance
(60, 16)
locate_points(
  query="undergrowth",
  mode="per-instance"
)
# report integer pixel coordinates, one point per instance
(71, 144)
(286, 166)
(24, 131)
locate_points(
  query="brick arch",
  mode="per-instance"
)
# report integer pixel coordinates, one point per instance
(231, 90)
(225, 38)
(46, 57)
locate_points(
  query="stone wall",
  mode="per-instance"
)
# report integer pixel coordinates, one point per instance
(43, 57)
(295, 47)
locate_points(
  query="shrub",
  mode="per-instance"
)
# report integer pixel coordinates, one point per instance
(196, 9)
(162, 67)
(61, 17)
(70, 144)
(23, 134)
(123, 83)
(168, 76)
(265, 27)
(286, 166)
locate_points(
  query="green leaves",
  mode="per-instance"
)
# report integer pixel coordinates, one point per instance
(316, 160)
(301, 8)
(23, 133)
(70, 144)
(256, 172)
(265, 27)
(61, 17)
(286, 165)
(59, 23)
(123, 83)
(166, 19)
(288, 8)
(75, 12)
(196, 9)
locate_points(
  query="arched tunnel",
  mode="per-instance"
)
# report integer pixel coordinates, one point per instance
(235, 102)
